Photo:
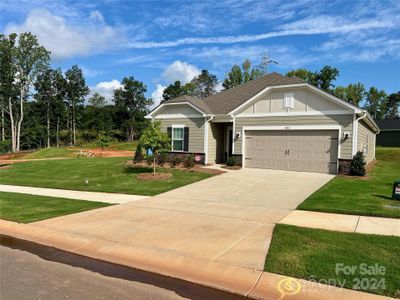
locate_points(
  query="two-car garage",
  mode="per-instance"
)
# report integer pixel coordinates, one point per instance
(296, 150)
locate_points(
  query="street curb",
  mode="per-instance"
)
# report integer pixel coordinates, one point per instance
(237, 280)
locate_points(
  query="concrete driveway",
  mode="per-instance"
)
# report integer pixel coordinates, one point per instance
(228, 218)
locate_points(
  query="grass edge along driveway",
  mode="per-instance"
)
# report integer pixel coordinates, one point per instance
(313, 254)
(110, 175)
(369, 196)
(25, 208)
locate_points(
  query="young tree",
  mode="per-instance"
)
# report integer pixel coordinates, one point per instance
(204, 84)
(132, 102)
(376, 103)
(97, 100)
(392, 106)
(8, 90)
(30, 60)
(22, 59)
(237, 75)
(153, 139)
(50, 91)
(76, 91)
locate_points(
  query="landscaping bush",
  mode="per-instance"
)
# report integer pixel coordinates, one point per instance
(162, 158)
(190, 162)
(150, 159)
(230, 162)
(138, 154)
(357, 166)
(175, 161)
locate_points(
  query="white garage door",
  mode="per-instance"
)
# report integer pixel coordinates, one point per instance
(297, 150)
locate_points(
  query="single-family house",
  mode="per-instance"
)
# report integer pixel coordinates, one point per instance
(389, 135)
(273, 122)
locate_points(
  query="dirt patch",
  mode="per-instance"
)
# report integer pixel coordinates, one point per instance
(231, 167)
(98, 152)
(196, 168)
(151, 176)
(18, 155)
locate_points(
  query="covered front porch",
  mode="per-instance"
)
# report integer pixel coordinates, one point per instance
(220, 141)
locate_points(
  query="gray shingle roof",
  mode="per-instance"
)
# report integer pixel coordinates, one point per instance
(228, 100)
(389, 124)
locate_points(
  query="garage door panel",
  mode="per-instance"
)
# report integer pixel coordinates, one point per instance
(311, 151)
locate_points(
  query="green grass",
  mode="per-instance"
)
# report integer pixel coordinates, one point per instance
(313, 254)
(25, 208)
(368, 197)
(104, 175)
(50, 153)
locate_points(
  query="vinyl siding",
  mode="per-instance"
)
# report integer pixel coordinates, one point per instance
(366, 141)
(346, 121)
(304, 101)
(196, 131)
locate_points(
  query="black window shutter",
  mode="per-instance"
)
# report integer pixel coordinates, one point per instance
(186, 139)
(169, 131)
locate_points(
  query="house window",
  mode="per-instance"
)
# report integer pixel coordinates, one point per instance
(288, 100)
(177, 138)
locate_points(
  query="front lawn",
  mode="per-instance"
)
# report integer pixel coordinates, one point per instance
(368, 197)
(95, 174)
(26, 208)
(319, 255)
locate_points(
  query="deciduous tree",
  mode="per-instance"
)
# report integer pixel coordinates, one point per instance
(76, 91)
(204, 84)
(237, 75)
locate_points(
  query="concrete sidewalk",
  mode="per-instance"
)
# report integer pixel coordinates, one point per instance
(344, 223)
(70, 194)
(254, 284)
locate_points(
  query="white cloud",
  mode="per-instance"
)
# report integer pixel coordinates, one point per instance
(66, 39)
(307, 26)
(181, 71)
(106, 88)
(156, 95)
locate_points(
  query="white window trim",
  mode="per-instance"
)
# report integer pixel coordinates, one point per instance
(288, 100)
(183, 138)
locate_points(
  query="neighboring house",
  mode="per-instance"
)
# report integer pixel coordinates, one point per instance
(273, 122)
(389, 136)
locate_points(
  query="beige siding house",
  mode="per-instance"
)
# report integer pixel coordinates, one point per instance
(272, 122)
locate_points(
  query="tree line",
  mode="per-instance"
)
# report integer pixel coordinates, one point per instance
(43, 106)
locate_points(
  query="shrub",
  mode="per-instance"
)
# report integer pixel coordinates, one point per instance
(138, 154)
(357, 166)
(150, 159)
(162, 158)
(103, 142)
(5, 146)
(189, 161)
(175, 161)
(230, 161)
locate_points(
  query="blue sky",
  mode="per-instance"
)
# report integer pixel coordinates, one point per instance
(159, 42)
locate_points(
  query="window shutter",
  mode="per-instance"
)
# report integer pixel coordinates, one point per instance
(186, 139)
(169, 131)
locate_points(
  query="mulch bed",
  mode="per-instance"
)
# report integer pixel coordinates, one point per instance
(231, 167)
(151, 176)
(368, 169)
